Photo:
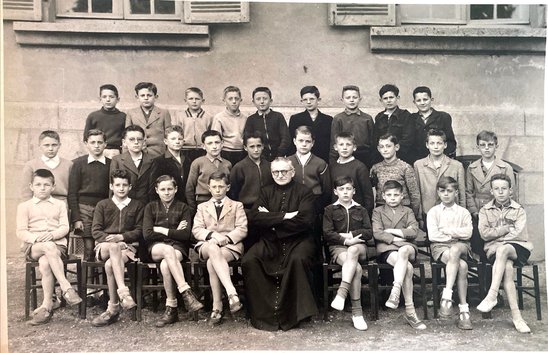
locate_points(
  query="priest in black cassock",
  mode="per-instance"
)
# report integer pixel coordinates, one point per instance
(277, 269)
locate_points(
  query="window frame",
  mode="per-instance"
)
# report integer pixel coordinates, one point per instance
(524, 19)
(121, 10)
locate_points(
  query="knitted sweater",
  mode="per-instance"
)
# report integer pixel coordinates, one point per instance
(360, 176)
(197, 188)
(112, 123)
(36, 217)
(61, 174)
(108, 219)
(231, 128)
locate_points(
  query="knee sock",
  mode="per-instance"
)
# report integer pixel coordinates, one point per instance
(447, 294)
(123, 291)
(113, 307)
(171, 302)
(356, 307)
(492, 295)
(464, 308)
(183, 287)
(343, 289)
(409, 308)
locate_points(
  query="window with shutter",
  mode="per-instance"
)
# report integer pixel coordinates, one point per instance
(215, 11)
(362, 14)
(22, 10)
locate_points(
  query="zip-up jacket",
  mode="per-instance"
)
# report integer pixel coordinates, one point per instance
(108, 219)
(337, 219)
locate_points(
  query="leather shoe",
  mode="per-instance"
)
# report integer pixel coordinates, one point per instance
(215, 318)
(105, 319)
(464, 322)
(191, 303)
(41, 316)
(170, 316)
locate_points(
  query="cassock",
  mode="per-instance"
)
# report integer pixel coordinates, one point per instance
(277, 269)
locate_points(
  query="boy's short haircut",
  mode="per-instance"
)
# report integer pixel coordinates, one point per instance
(195, 90)
(350, 88)
(391, 137)
(49, 133)
(346, 135)
(110, 87)
(310, 89)
(120, 174)
(392, 184)
(165, 178)
(148, 85)
(261, 89)
(43, 173)
(447, 181)
(389, 88)
(209, 133)
(305, 130)
(340, 181)
(485, 135)
(229, 89)
(501, 176)
(219, 176)
(253, 134)
(94, 132)
(130, 128)
(422, 89)
(173, 128)
(436, 132)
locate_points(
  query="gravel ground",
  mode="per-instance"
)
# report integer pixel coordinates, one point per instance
(68, 333)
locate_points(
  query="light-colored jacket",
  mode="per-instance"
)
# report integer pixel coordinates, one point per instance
(232, 223)
(158, 120)
(401, 218)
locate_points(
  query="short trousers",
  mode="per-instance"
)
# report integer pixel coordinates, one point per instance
(523, 255)
(86, 216)
(234, 254)
(336, 250)
(27, 247)
(177, 246)
(438, 249)
(382, 258)
(127, 249)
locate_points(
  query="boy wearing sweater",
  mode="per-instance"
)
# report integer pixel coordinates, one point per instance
(230, 123)
(49, 143)
(108, 119)
(118, 230)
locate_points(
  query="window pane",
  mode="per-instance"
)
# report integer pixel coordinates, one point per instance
(481, 12)
(71, 6)
(101, 6)
(139, 6)
(423, 14)
(164, 7)
(506, 11)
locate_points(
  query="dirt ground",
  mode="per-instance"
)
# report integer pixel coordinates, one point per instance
(68, 333)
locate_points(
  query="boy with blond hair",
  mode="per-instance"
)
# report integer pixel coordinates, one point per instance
(230, 123)
(42, 225)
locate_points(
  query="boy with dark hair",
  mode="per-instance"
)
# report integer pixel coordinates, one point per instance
(436, 165)
(270, 123)
(348, 165)
(197, 187)
(49, 143)
(503, 226)
(396, 121)
(151, 118)
(167, 234)
(449, 231)
(230, 123)
(346, 227)
(135, 161)
(42, 225)
(352, 119)
(88, 184)
(394, 228)
(318, 122)
(173, 162)
(118, 230)
(220, 225)
(428, 118)
(108, 119)
(478, 176)
(194, 121)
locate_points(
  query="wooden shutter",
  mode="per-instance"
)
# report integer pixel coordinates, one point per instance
(22, 10)
(362, 14)
(215, 11)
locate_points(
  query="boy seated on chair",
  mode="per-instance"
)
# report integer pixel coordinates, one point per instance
(449, 231)
(42, 225)
(394, 228)
(503, 226)
(346, 227)
(220, 225)
(166, 229)
(117, 229)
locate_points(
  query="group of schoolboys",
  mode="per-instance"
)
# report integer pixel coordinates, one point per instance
(190, 184)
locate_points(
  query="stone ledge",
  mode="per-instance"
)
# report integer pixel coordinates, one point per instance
(113, 34)
(458, 40)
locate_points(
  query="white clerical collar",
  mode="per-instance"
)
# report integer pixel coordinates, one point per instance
(101, 159)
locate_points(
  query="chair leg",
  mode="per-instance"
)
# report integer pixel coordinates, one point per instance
(537, 292)
(373, 272)
(139, 290)
(80, 287)
(84, 290)
(435, 290)
(519, 286)
(325, 292)
(423, 291)
(28, 274)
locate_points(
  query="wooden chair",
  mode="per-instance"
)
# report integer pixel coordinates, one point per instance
(34, 282)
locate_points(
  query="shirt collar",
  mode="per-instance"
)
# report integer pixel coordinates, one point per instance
(36, 200)
(453, 207)
(213, 159)
(215, 202)
(303, 157)
(348, 112)
(265, 113)
(101, 159)
(348, 161)
(354, 203)
(238, 114)
(54, 159)
(139, 157)
(122, 204)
